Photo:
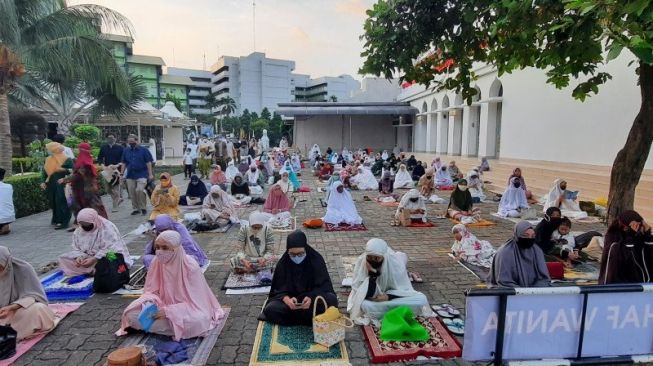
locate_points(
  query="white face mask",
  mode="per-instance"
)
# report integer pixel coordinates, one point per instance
(462, 188)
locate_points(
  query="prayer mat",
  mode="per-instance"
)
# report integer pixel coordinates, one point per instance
(482, 223)
(241, 281)
(587, 270)
(480, 272)
(420, 224)
(60, 310)
(515, 219)
(344, 227)
(388, 204)
(293, 345)
(290, 226)
(248, 291)
(198, 349)
(220, 230)
(57, 288)
(440, 344)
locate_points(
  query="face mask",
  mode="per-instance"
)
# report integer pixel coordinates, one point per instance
(253, 170)
(111, 141)
(164, 256)
(87, 227)
(428, 177)
(298, 259)
(414, 199)
(564, 188)
(462, 188)
(132, 145)
(516, 184)
(375, 264)
(215, 195)
(340, 189)
(444, 168)
(525, 243)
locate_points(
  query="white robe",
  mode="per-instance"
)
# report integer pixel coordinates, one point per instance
(365, 180)
(231, 172)
(403, 179)
(7, 212)
(475, 185)
(407, 204)
(513, 201)
(442, 178)
(341, 208)
(568, 208)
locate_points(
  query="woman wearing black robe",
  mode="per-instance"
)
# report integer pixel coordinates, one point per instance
(302, 281)
(196, 191)
(628, 251)
(418, 171)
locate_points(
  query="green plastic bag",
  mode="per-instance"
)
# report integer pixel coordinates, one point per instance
(399, 324)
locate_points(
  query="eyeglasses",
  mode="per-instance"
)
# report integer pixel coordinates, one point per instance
(293, 255)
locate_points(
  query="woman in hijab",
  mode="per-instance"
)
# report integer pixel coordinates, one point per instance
(381, 283)
(411, 163)
(296, 163)
(475, 186)
(231, 171)
(56, 167)
(468, 248)
(628, 253)
(513, 201)
(243, 167)
(461, 206)
(217, 207)
(256, 246)
(377, 167)
(436, 164)
(443, 179)
(300, 276)
(187, 307)
(517, 174)
(557, 197)
(84, 183)
(240, 192)
(92, 240)
(385, 155)
(165, 198)
(190, 246)
(332, 180)
(403, 178)
(364, 180)
(341, 208)
(454, 171)
(485, 165)
(291, 174)
(411, 208)
(545, 229)
(285, 184)
(195, 192)
(418, 171)
(519, 263)
(254, 179)
(426, 184)
(23, 304)
(277, 201)
(218, 177)
(385, 185)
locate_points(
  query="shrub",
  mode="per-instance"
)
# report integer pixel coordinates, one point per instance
(72, 142)
(29, 198)
(24, 165)
(88, 133)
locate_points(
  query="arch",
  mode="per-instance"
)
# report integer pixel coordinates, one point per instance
(496, 89)
(478, 95)
(458, 100)
(424, 107)
(434, 105)
(445, 102)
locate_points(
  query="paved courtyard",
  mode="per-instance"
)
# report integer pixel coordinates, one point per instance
(86, 337)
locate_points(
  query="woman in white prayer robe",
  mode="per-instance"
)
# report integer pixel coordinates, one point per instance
(411, 207)
(475, 185)
(557, 197)
(231, 171)
(403, 178)
(513, 201)
(443, 178)
(364, 180)
(340, 207)
(380, 284)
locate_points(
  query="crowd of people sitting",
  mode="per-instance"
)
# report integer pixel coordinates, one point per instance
(180, 299)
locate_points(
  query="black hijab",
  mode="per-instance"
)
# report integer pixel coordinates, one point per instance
(239, 188)
(196, 188)
(411, 162)
(418, 171)
(309, 278)
(545, 229)
(459, 199)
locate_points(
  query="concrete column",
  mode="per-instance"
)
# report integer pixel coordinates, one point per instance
(429, 120)
(466, 131)
(451, 143)
(432, 132)
(484, 132)
(443, 132)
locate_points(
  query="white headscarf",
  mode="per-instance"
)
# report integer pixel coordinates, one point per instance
(407, 204)
(551, 198)
(512, 199)
(403, 178)
(315, 149)
(252, 178)
(393, 279)
(442, 177)
(365, 180)
(231, 172)
(385, 155)
(341, 208)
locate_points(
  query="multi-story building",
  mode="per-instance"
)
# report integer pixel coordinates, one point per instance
(198, 91)
(254, 82)
(324, 89)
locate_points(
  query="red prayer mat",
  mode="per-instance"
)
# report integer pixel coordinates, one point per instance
(420, 224)
(440, 344)
(344, 227)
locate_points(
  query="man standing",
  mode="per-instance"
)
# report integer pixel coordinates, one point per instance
(7, 213)
(221, 153)
(137, 165)
(110, 157)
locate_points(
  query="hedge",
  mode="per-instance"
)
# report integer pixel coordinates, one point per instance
(30, 199)
(20, 165)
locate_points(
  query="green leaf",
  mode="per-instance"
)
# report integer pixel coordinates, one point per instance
(587, 9)
(615, 51)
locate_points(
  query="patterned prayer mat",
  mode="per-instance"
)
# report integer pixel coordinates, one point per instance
(441, 344)
(587, 270)
(482, 223)
(515, 219)
(60, 310)
(344, 227)
(57, 288)
(197, 349)
(242, 281)
(480, 272)
(276, 345)
(420, 224)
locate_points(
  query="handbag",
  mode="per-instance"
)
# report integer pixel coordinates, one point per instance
(111, 272)
(8, 338)
(328, 333)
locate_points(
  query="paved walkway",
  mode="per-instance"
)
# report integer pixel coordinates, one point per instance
(86, 336)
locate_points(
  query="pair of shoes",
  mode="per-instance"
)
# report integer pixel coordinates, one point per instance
(143, 212)
(114, 210)
(135, 212)
(59, 227)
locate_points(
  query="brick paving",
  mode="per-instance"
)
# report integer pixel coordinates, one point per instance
(86, 336)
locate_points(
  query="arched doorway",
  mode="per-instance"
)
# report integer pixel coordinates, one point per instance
(495, 108)
(443, 127)
(457, 143)
(433, 130)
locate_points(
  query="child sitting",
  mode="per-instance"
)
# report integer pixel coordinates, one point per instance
(565, 242)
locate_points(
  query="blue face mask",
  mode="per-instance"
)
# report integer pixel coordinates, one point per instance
(298, 259)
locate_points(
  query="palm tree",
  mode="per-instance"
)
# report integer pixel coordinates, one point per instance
(228, 106)
(54, 49)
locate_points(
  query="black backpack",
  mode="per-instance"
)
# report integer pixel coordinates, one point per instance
(7, 342)
(110, 275)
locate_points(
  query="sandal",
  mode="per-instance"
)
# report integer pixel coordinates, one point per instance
(446, 310)
(416, 276)
(410, 276)
(455, 326)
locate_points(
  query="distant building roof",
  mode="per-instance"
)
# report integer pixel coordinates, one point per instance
(118, 38)
(329, 108)
(147, 60)
(175, 79)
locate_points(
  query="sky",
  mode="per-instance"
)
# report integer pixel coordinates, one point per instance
(321, 36)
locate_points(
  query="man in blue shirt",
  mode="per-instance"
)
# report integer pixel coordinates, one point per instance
(110, 158)
(137, 168)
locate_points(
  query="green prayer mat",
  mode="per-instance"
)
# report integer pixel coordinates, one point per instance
(399, 324)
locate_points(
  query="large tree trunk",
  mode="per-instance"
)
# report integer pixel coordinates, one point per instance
(629, 163)
(5, 134)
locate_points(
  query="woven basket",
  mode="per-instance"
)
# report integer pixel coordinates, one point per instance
(128, 356)
(331, 332)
